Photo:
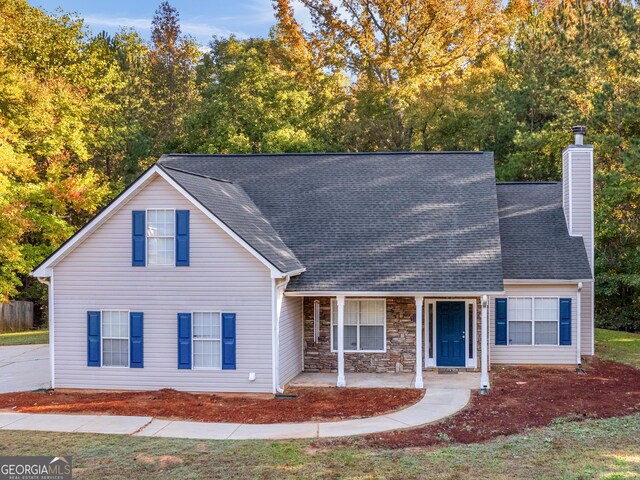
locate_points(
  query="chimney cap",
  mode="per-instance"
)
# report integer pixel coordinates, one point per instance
(579, 130)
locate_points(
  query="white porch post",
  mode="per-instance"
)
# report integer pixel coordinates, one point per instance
(578, 326)
(341, 380)
(484, 379)
(419, 309)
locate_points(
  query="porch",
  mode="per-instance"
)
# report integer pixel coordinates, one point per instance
(390, 341)
(431, 379)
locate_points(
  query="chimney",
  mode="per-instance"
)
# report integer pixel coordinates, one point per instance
(577, 202)
(577, 188)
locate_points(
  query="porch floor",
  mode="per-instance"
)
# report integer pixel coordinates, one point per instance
(431, 379)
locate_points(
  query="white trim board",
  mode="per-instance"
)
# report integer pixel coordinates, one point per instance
(44, 269)
(461, 295)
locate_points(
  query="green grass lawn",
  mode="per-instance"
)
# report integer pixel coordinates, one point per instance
(618, 346)
(24, 338)
(604, 449)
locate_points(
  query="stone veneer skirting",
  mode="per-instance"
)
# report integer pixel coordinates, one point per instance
(400, 355)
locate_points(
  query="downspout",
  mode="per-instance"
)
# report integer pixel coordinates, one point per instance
(578, 328)
(49, 284)
(278, 287)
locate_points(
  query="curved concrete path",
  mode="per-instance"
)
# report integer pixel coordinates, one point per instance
(436, 404)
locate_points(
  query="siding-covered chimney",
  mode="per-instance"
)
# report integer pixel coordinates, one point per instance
(577, 188)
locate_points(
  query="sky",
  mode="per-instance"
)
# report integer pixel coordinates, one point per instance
(200, 18)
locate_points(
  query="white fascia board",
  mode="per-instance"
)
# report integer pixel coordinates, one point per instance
(44, 269)
(329, 293)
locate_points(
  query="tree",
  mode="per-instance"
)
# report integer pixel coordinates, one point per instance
(394, 51)
(256, 97)
(173, 58)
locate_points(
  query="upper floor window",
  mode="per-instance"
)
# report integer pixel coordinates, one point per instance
(161, 236)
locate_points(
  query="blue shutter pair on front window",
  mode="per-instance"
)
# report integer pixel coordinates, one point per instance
(228, 341)
(139, 238)
(136, 343)
(501, 321)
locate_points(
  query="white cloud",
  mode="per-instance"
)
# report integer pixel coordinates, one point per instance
(201, 31)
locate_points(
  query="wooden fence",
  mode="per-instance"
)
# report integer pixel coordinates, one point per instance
(16, 316)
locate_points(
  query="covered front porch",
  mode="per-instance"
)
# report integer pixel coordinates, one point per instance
(360, 341)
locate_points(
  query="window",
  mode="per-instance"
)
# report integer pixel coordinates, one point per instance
(161, 237)
(207, 345)
(472, 319)
(115, 338)
(533, 320)
(364, 325)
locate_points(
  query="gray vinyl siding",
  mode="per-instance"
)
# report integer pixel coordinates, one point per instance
(534, 354)
(577, 166)
(291, 325)
(223, 276)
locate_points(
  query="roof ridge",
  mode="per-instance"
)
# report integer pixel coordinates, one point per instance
(202, 175)
(314, 154)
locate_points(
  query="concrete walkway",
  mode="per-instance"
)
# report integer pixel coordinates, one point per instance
(436, 404)
(24, 368)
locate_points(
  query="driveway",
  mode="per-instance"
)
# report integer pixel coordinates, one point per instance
(24, 367)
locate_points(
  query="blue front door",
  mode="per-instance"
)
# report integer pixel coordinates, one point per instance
(450, 334)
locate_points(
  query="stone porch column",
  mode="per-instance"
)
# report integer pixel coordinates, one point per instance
(484, 345)
(341, 380)
(419, 309)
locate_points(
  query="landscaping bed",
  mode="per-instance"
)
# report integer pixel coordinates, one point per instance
(311, 404)
(526, 397)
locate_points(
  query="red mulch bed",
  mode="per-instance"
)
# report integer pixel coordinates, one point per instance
(311, 404)
(526, 397)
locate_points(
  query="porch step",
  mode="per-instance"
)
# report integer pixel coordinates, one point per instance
(448, 371)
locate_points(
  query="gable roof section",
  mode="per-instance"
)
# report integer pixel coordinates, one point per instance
(369, 222)
(232, 205)
(42, 270)
(535, 240)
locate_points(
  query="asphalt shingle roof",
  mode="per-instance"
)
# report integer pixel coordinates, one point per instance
(535, 240)
(370, 222)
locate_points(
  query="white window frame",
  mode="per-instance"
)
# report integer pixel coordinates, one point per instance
(431, 361)
(193, 341)
(103, 338)
(384, 326)
(533, 322)
(316, 320)
(146, 237)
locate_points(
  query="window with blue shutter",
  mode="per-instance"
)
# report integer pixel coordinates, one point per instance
(228, 341)
(136, 342)
(184, 341)
(182, 238)
(565, 321)
(501, 321)
(93, 339)
(139, 239)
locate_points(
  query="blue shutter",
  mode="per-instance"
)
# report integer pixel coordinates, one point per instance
(182, 238)
(184, 341)
(93, 339)
(228, 341)
(501, 321)
(136, 327)
(565, 321)
(138, 235)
